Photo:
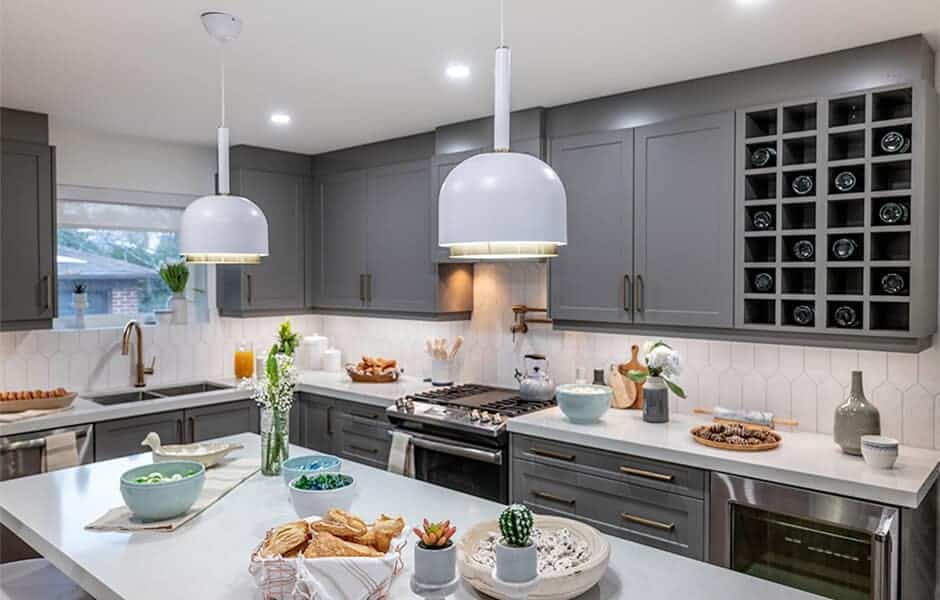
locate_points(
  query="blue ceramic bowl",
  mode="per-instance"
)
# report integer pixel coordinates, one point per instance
(292, 468)
(159, 501)
(583, 403)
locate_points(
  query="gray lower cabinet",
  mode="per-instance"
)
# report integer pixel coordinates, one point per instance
(27, 235)
(314, 428)
(590, 280)
(650, 502)
(122, 437)
(361, 433)
(684, 222)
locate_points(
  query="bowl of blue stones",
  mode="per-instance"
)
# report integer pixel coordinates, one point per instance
(292, 468)
(318, 493)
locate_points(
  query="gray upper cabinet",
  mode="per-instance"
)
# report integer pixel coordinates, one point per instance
(342, 204)
(278, 183)
(27, 223)
(591, 277)
(684, 217)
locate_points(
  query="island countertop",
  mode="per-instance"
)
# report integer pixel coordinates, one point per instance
(808, 460)
(208, 558)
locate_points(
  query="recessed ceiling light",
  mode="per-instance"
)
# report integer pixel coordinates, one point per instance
(280, 118)
(457, 71)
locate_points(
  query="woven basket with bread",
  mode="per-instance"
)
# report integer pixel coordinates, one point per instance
(337, 556)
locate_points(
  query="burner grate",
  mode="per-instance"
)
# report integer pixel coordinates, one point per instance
(485, 398)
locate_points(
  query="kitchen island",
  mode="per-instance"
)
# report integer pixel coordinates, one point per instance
(208, 558)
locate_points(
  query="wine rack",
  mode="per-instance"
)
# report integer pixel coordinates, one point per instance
(836, 214)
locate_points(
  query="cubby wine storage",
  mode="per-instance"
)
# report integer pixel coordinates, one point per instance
(836, 216)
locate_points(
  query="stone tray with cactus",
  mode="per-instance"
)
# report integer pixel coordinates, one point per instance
(556, 586)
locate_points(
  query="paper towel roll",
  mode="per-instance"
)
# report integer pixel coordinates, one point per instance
(332, 360)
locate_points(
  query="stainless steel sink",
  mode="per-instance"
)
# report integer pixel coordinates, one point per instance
(195, 388)
(156, 393)
(123, 398)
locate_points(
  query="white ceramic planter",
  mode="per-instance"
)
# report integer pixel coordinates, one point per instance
(180, 308)
(435, 566)
(516, 564)
(80, 304)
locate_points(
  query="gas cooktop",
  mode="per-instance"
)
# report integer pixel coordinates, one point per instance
(480, 408)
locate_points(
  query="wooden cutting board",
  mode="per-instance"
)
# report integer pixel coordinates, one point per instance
(634, 365)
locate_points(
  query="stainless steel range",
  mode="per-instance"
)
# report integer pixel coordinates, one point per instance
(459, 435)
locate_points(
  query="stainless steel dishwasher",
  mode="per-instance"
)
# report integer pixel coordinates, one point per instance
(22, 455)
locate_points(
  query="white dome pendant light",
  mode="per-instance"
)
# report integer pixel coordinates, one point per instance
(222, 228)
(502, 205)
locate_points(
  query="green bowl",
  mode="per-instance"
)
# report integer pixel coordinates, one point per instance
(160, 501)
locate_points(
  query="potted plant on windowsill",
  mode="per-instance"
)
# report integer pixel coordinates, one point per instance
(516, 555)
(435, 555)
(79, 303)
(175, 276)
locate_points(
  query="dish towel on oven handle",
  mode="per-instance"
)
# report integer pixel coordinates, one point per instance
(401, 457)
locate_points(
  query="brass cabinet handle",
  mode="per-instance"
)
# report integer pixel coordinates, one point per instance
(640, 292)
(192, 429)
(550, 454)
(627, 294)
(553, 498)
(368, 287)
(371, 417)
(648, 522)
(47, 281)
(329, 420)
(362, 287)
(647, 474)
(248, 286)
(361, 449)
(179, 431)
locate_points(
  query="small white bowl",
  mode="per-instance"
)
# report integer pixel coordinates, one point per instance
(879, 452)
(309, 503)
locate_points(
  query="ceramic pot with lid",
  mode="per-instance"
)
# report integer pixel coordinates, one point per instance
(535, 385)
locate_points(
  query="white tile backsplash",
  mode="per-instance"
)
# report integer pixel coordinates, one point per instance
(795, 382)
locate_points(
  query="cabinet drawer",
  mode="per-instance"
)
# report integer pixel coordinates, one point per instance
(632, 469)
(363, 442)
(664, 520)
(363, 412)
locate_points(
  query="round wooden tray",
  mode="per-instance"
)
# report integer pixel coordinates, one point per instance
(733, 447)
(360, 378)
(559, 586)
(11, 406)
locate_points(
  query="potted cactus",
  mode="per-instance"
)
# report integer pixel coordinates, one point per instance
(435, 555)
(516, 555)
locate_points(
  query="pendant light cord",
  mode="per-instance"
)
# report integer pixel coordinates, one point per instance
(501, 25)
(222, 80)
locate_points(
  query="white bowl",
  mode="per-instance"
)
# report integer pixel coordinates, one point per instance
(317, 502)
(879, 452)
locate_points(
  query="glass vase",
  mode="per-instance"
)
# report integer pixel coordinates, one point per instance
(275, 445)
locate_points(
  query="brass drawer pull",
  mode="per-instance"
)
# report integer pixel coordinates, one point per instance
(553, 498)
(550, 454)
(361, 449)
(648, 522)
(647, 474)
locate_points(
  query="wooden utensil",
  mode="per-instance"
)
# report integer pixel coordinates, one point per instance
(755, 419)
(457, 344)
(623, 391)
(634, 365)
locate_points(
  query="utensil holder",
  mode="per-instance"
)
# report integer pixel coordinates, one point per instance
(441, 371)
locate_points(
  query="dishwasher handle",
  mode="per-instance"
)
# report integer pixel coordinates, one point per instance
(84, 440)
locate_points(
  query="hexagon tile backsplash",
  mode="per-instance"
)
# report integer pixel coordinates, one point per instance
(800, 382)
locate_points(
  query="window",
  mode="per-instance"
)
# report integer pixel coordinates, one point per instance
(115, 251)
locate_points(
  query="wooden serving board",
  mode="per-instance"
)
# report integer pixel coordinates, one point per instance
(12, 406)
(634, 365)
(733, 447)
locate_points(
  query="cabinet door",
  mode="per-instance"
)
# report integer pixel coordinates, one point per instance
(343, 207)
(317, 423)
(590, 277)
(401, 275)
(122, 437)
(219, 420)
(684, 214)
(278, 281)
(27, 234)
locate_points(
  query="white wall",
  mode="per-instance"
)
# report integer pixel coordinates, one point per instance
(97, 159)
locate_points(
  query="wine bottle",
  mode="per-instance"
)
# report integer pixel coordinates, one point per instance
(803, 314)
(803, 250)
(764, 282)
(892, 283)
(844, 248)
(762, 219)
(845, 316)
(893, 213)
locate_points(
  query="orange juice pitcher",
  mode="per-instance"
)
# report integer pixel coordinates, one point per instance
(244, 361)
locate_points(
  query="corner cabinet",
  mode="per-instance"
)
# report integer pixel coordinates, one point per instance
(372, 233)
(650, 214)
(27, 233)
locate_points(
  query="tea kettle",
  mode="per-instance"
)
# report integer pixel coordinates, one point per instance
(535, 385)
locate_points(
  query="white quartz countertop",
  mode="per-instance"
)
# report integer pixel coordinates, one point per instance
(208, 557)
(334, 385)
(807, 460)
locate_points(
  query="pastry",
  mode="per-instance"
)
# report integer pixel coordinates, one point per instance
(285, 538)
(341, 524)
(380, 534)
(324, 544)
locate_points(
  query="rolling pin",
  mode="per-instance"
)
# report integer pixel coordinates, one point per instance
(762, 418)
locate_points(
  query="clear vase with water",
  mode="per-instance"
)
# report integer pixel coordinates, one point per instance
(275, 444)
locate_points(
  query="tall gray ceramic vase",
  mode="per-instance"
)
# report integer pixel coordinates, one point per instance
(854, 418)
(655, 400)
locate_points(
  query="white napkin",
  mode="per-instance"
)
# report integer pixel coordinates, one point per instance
(401, 458)
(61, 451)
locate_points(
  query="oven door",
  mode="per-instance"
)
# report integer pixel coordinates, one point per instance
(828, 545)
(460, 466)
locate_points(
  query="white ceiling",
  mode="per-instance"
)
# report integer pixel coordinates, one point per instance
(355, 71)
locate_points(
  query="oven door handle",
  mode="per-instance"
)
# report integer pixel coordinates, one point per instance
(457, 449)
(881, 558)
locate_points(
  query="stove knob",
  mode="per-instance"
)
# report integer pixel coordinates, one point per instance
(409, 405)
(399, 404)
(486, 417)
(496, 419)
(475, 415)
